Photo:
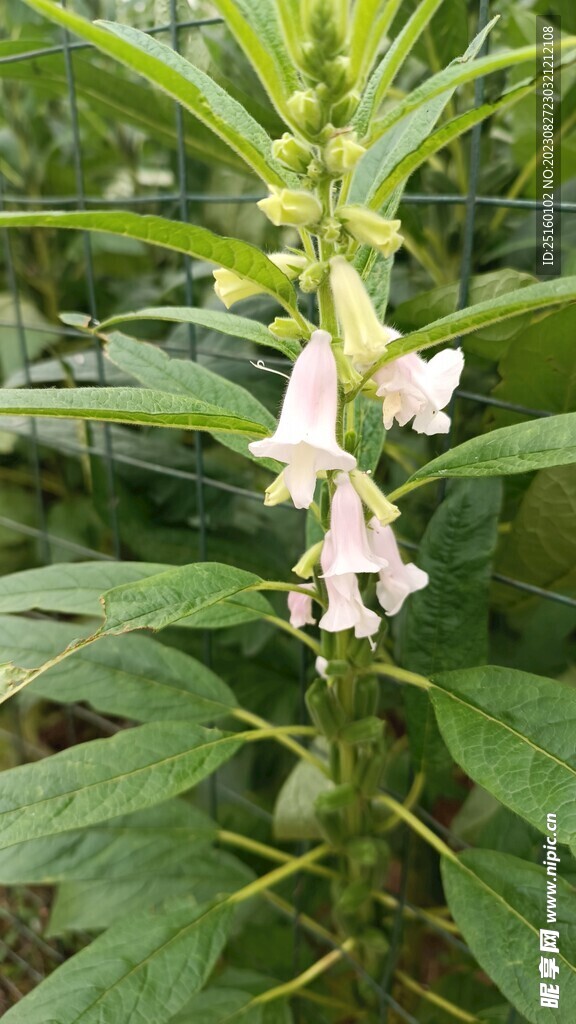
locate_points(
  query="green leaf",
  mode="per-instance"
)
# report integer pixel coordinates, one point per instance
(177, 77)
(458, 73)
(499, 903)
(256, 30)
(539, 376)
(154, 603)
(490, 342)
(541, 545)
(131, 677)
(370, 430)
(153, 368)
(401, 171)
(517, 449)
(94, 905)
(384, 75)
(484, 314)
(226, 323)
(370, 22)
(294, 813)
(127, 405)
(76, 588)
(446, 625)
(147, 967)
(241, 257)
(158, 839)
(96, 781)
(402, 139)
(513, 733)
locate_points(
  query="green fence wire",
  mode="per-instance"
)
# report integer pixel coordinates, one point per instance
(177, 201)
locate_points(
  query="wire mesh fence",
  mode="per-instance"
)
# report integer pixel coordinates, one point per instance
(177, 202)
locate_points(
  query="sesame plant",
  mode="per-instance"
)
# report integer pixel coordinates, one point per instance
(120, 809)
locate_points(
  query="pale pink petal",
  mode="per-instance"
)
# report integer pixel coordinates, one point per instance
(349, 542)
(345, 607)
(300, 608)
(305, 438)
(398, 580)
(411, 387)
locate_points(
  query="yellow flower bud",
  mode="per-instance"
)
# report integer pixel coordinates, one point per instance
(313, 276)
(291, 207)
(365, 338)
(286, 328)
(231, 287)
(373, 498)
(292, 152)
(305, 565)
(371, 229)
(342, 153)
(277, 492)
(306, 109)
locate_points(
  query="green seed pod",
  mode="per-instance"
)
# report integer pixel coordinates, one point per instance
(366, 696)
(323, 709)
(368, 730)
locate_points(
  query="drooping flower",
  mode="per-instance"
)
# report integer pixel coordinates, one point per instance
(300, 607)
(398, 579)
(231, 287)
(346, 609)
(411, 387)
(370, 228)
(305, 438)
(365, 338)
(291, 207)
(348, 546)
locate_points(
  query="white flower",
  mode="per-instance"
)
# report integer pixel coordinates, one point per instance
(305, 438)
(348, 544)
(411, 387)
(345, 607)
(398, 579)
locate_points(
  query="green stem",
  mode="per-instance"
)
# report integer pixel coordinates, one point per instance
(401, 675)
(435, 1000)
(290, 988)
(286, 741)
(297, 864)
(417, 826)
(293, 631)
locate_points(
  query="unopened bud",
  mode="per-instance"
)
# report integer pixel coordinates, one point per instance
(336, 76)
(277, 492)
(331, 230)
(285, 328)
(231, 287)
(371, 229)
(343, 111)
(365, 338)
(325, 21)
(306, 109)
(342, 153)
(373, 498)
(292, 152)
(286, 206)
(308, 561)
(312, 277)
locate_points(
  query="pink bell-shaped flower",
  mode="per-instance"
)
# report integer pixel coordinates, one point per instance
(300, 607)
(349, 545)
(345, 607)
(398, 580)
(411, 387)
(305, 438)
